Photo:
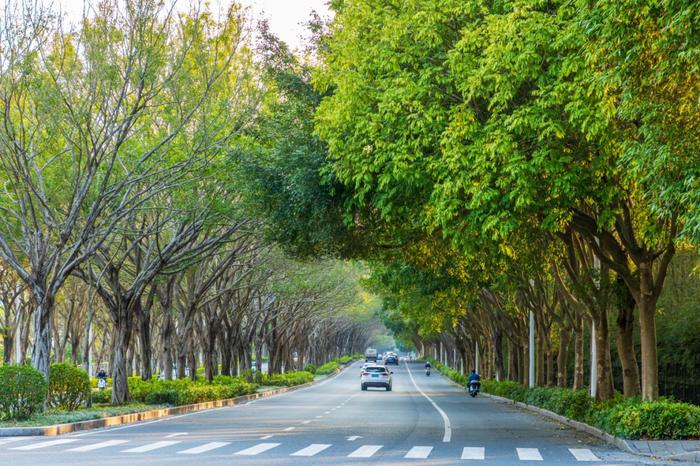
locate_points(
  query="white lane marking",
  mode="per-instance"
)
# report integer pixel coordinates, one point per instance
(583, 454)
(327, 412)
(202, 448)
(289, 428)
(50, 443)
(529, 454)
(176, 434)
(352, 438)
(311, 450)
(473, 453)
(319, 416)
(365, 451)
(265, 437)
(419, 452)
(97, 446)
(257, 449)
(446, 420)
(5, 441)
(305, 422)
(152, 446)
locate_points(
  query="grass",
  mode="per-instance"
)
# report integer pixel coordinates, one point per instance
(54, 416)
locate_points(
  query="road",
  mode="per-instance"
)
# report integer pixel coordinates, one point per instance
(424, 420)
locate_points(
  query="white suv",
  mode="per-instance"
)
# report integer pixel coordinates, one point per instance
(376, 376)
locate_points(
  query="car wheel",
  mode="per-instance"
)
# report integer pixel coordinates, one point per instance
(364, 387)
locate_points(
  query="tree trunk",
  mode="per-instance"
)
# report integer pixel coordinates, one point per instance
(562, 357)
(605, 389)
(145, 341)
(120, 387)
(41, 352)
(578, 358)
(8, 348)
(498, 354)
(625, 343)
(167, 354)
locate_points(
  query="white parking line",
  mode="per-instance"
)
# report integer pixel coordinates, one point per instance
(583, 454)
(202, 448)
(446, 420)
(365, 451)
(311, 450)
(473, 453)
(257, 449)
(529, 454)
(97, 446)
(419, 452)
(50, 443)
(152, 446)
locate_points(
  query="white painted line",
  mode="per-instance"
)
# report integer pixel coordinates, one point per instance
(529, 454)
(446, 420)
(311, 450)
(583, 454)
(305, 422)
(50, 443)
(5, 441)
(176, 434)
(257, 449)
(97, 446)
(473, 453)
(289, 428)
(365, 451)
(419, 452)
(327, 412)
(152, 446)
(353, 438)
(265, 437)
(202, 448)
(319, 417)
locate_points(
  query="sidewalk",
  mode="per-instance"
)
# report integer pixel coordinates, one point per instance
(688, 450)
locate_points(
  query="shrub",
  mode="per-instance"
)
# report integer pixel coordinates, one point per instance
(310, 368)
(328, 368)
(102, 396)
(22, 392)
(289, 379)
(69, 386)
(185, 391)
(345, 359)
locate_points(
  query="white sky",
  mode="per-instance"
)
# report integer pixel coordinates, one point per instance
(286, 17)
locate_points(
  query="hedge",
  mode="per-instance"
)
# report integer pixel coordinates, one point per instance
(289, 379)
(185, 391)
(328, 368)
(628, 418)
(22, 392)
(69, 386)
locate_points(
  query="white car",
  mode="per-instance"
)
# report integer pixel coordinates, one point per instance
(376, 376)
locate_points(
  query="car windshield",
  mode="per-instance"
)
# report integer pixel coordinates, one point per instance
(376, 369)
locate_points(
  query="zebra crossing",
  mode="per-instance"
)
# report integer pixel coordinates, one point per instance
(181, 447)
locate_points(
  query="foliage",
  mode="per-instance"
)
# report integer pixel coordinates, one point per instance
(22, 392)
(311, 368)
(288, 379)
(185, 391)
(57, 416)
(328, 368)
(102, 396)
(69, 386)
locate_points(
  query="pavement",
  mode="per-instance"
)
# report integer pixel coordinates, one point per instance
(423, 420)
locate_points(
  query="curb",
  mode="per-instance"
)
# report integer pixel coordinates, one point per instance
(580, 426)
(122, 419)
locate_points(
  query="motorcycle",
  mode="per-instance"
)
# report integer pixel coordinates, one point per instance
(427, 371)
(474, 388)
(101, 383)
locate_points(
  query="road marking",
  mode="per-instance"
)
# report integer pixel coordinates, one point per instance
(365, 451)
(97, 446)
(352, 438)
(305, 422)
(202, 448)
(319, 416)
(289, 428)
(257, 449)
(50, 443)
(265, 437)
(327, 412)
(529, 454)
(5, 441)
(152, 446)
(583, 454)
(176, 434)
(473, 453)
(446, 420)
(419, 452)
(311, 450)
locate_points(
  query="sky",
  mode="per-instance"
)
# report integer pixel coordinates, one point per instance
(284, 16)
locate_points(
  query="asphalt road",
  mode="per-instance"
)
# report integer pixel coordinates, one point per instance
(424, 420)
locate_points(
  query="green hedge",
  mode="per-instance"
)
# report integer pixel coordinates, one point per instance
(69, 386)
(185, 391)
(289, 379)
(22, 392)
(328, 368)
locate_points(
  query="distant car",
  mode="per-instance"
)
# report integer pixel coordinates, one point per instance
(391, 359)
(366, 365)
(376, 376)
(371, 355)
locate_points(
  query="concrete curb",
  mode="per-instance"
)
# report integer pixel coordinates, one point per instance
(122, 419)
(618, 442)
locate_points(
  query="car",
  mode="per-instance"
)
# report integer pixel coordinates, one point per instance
(371, 355)
(366, 365)
(376, 376)
(391, 359)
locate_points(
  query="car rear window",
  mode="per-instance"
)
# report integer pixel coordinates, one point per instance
(376, 369)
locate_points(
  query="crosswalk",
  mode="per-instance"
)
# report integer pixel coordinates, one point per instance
(182, 447)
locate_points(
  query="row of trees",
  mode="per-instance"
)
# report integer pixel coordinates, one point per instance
(496, 159)
(127, 227)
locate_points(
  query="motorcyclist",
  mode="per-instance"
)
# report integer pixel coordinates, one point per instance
(101, 377)
(427, 365)
(101, 374)
(474, 377)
